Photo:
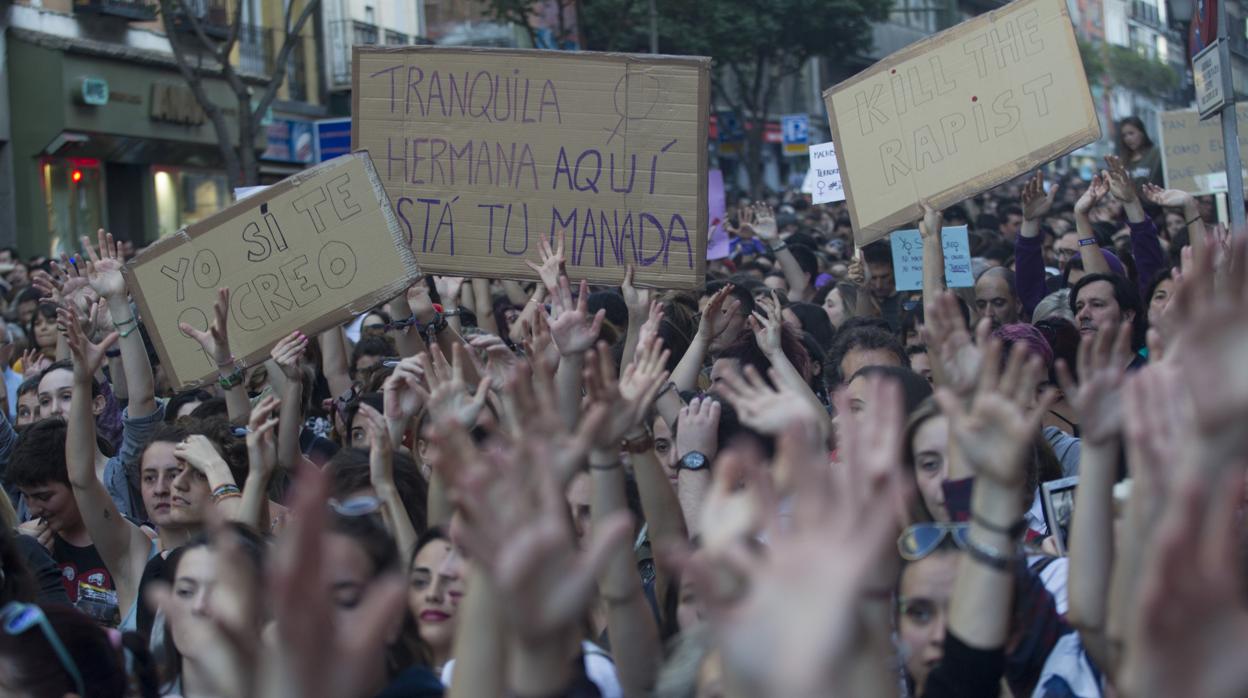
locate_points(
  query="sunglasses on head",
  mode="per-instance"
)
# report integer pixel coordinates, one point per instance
(919, 540)
(17, 618)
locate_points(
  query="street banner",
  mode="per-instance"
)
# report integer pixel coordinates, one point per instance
(486, 151)
(1191, 150)
(304, 254)
(959, 113)
(908, 258)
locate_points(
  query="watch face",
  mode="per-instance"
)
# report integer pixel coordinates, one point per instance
(693, 461)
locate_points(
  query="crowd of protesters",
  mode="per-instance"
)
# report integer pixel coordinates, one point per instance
(794, 482)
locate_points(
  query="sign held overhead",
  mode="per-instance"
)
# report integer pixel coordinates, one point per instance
(486, 151)
(960, 112)
(304, 254)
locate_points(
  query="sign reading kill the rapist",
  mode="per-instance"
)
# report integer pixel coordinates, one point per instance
(484, 152)
(959, 113)
(304, 254)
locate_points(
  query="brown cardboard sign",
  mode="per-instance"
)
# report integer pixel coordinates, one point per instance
(1191, 150)
(485, 152)
(959, 113)
(304, 254)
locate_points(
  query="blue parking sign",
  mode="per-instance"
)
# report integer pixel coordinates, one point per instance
(795, 130)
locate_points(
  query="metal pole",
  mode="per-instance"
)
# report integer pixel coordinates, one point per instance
(654, 26)
(1230, 126)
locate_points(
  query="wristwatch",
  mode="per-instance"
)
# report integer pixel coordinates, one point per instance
(693, 460)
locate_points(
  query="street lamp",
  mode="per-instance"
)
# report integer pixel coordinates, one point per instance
(1180, 11)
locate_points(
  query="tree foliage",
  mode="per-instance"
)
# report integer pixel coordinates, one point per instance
(755, 44)
(1140, 73)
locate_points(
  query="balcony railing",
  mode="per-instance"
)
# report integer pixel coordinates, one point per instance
(363, 34)
(135, 10)
(258, 48)
(213, 16)
(396, 38)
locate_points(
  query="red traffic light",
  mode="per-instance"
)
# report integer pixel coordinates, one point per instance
(76, 176)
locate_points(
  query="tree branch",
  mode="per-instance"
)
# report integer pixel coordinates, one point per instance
(289, 42)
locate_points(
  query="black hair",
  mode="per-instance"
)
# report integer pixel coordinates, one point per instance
(39, 455)
(863, 338)
(1135, 121)
(613, 302)
(739, 292)
(878, 252)
(914, 388)
(1127, 297)
(349, 472)
(45, 310)
(185, 397)
(30, 294)
(33, 666)
(29, 385)
(431, 534)
(999, 251)
(814, 320)
(1011, 210)
(212, 408)
(17, 583)
(373, 400)
(231, 448)
(745, 350)
(372, 345)
(68, 365)
(863, 321)
(807, 260)
(1158, 278)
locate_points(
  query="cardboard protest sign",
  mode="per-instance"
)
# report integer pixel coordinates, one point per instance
(486, 151)
(960, 112)
(908, 258)
(1191, 150)
(824, 175)
(306, 253)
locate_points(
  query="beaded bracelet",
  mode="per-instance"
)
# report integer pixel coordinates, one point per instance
(233, 380)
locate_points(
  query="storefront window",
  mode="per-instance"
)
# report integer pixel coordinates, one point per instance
(186, 196)
(73, 191)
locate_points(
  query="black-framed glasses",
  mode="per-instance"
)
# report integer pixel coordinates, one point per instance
(919, 540)
(18, 617)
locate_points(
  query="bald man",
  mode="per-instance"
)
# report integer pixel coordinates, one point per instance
(996, 297)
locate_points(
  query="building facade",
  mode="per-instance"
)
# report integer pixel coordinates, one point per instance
(102, 129)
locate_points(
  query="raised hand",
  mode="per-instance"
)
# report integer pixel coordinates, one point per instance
(745, 215)
(766, 409)
(698, 427)
(380, 448)
(572, 328)
(448, 397)
(719, 312)
(288, 355)
(765, 222)
(637, 299)
(995, 432)
(1036, 203)
(552, 266)
(1191, 616)
(1120, 183)
(949, 343)
(1097, 398)
(262, 437)
(790, 625)
(448, 289)
(767, 325)
(104, 266)
(1097, 189)
(500, 360)
(625, 402)
(216, 339)
(1168, 198)
(33, 363)
(403, 393)
(88, 356)
(650, 328)
(198, 452)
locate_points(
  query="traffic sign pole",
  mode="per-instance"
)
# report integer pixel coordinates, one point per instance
(1230, 127)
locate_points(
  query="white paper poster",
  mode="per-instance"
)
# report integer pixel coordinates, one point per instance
(823, 179)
